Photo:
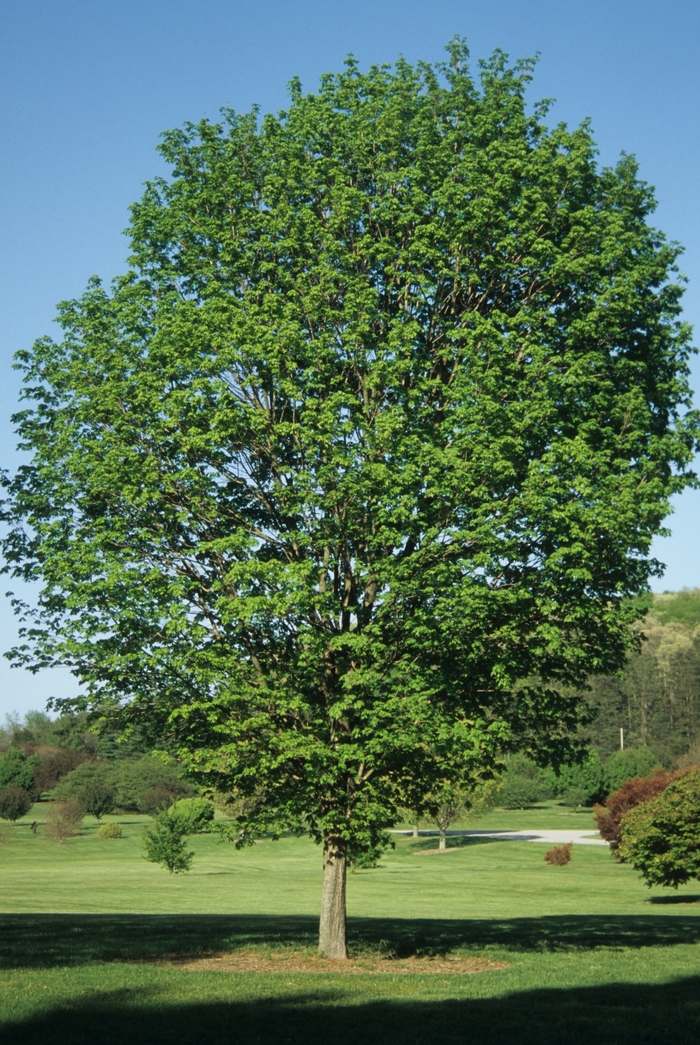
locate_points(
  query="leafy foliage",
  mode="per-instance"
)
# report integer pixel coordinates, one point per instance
(53, 765)
(524, 783)
(454, 802)
(63, 819)
(123, 785)
(166, 842)
(343, 489)
(15, 803)
(86, 774)
(110, 829)
(97, 797)
(656, 698)
(632, 793)
(194, 813)
(628, 765)
(365, 857)
(35, 728)
(134, 779)
(581, 784)
(559, 855)
(661, 837)
(17, 770)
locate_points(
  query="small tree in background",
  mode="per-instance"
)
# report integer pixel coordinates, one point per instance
(631, 794)
(448, 807)
(54, 765)
(63, 819)
(466, 803)
(17, 770)
(15, 803)
(88, 774)
(166, 842)
(97, 798)
(661, 837)
(162, 796)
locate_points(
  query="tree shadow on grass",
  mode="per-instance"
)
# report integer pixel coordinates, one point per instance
(428, 843)
(614, 1014)
(683, 899)
(50, 940)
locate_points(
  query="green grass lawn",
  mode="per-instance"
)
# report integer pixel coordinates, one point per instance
(593, 955)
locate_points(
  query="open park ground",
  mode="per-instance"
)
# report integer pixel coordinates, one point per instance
(484, 945)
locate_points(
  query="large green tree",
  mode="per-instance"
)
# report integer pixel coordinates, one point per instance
(339, 491)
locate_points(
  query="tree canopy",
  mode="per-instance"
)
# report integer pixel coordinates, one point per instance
(343, 488)
(660, 837)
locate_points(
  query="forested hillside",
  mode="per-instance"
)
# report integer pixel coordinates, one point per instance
(656, 700)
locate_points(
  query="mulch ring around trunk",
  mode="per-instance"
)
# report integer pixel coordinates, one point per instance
(297, 962)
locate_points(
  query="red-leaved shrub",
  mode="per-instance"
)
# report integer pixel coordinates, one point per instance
(558, 855)
(632, 793)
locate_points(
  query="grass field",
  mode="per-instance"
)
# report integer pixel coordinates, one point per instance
(91, 935)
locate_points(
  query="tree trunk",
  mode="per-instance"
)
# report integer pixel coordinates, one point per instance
(332, 939)
(443, 839)
(415, 830)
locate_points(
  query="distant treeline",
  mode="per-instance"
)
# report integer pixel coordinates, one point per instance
(64, 759)
(656, 698)
(70, 732)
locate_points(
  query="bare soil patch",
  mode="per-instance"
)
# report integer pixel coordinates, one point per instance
(297, 962)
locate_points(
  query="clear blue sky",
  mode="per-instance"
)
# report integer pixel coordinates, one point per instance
(86, 88)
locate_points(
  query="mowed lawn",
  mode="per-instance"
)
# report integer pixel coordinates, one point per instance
(91, 934)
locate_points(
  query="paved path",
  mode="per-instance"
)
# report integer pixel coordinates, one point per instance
(550, 837)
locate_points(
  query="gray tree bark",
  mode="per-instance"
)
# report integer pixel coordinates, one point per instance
(415, 830)
(332, 936)
(443, 839)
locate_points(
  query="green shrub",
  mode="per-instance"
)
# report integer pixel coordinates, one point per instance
(15, 803)
(166, 843)
(661, 837)
(110, 829)
(87, 775)
(17, 770)
(127, 782)
(156, 799)
(626, 765)
(579, 785)
(193, 813)
(134, 779)
(524, 783)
